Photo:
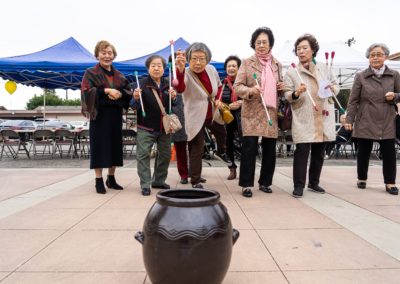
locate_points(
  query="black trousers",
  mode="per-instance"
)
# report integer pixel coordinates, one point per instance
(248, 161)
(300, 163)
(387, 148)
(231, 129)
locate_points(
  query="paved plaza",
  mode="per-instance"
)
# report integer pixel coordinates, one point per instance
(54, 228)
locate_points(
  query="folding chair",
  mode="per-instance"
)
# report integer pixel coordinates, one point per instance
(12, 142)
(128, 141)
(67, 139)
(84, 143)
(41, 140)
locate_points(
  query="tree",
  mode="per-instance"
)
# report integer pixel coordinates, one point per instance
(51, 100)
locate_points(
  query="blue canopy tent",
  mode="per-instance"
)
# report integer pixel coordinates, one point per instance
(128, 67)
(60, 66)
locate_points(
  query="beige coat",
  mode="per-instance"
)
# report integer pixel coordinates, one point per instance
(308, 125)
(254, 118)
(372, 116)
(195, 100)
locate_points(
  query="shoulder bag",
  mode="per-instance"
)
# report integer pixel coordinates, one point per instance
(171, 122)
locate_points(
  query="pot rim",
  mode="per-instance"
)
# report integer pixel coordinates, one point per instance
(188, 197)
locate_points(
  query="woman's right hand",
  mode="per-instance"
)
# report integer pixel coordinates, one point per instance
(180, 60)
(136, 94)
(300, 89)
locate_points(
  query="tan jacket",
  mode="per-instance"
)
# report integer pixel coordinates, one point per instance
(372, 116)
(195, 100)
(254, 118)
(308, 125)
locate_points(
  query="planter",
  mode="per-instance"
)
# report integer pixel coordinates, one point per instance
(187, 238)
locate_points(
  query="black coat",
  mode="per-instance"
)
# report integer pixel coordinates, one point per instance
(153, 120)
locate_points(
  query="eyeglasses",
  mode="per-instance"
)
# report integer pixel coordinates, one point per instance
(200, 59)
(378, 54)
(263, 42)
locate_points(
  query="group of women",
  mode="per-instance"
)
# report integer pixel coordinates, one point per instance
(252, 90)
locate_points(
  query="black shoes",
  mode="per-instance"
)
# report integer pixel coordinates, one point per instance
(112, 183)
(392, 190)
(163, 186)
(361, 184)
(197, 186)
(100, 186)
(145, 191)
(184, 181)
(298, 192)
(246, 192)
(265, 189)
(316, 188)
(202, 180)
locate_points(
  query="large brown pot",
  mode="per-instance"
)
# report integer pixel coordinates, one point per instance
(187, 238)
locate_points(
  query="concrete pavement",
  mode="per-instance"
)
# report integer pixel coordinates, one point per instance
(54, 228)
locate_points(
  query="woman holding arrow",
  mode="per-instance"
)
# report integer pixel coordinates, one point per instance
(258, 83)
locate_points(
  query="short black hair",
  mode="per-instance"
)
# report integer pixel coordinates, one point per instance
(311, 40)
(232, 57)
(259, 31)
(152, 57)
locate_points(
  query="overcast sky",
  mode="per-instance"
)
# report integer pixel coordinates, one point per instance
(140, 27)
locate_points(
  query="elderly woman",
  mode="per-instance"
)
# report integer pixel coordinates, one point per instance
(229, 97)
(105, 92)
(150, 129)
(312, 125)
(371, 110)
(200, 84)
(264, 68)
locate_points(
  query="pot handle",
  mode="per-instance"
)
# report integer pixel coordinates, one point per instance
(235, 235)
(139, 236)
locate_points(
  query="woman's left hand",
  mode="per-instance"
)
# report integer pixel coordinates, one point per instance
(172, 92)
(114, 94)
(218, 103)
(389, 96)
(280, 86)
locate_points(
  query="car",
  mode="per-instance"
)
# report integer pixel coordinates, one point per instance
(80, 124)
(18, 125)
(55, 125)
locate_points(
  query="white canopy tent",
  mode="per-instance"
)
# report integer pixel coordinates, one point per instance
(346, 63)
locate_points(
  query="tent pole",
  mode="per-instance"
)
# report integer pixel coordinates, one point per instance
(44, 109)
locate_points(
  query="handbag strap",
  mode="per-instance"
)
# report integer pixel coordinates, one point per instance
(159, 103)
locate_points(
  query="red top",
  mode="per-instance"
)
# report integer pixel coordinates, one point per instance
(205, 80)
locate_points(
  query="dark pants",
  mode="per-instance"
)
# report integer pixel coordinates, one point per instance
(196, 149)
(219, 133)
(181, 158)
(387, 148)
(300, 163)
(248, 161)
(231, 129)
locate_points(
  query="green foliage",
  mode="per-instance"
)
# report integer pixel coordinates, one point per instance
(51, 100)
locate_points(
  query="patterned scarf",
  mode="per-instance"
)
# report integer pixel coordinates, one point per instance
(268, 80)
(228, 81)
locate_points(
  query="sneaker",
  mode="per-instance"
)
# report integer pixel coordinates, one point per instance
(246, 192)
(163, 186)
(184, 181)
(297, 192)
(145, 191)
(197, 186)
(316, 188)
